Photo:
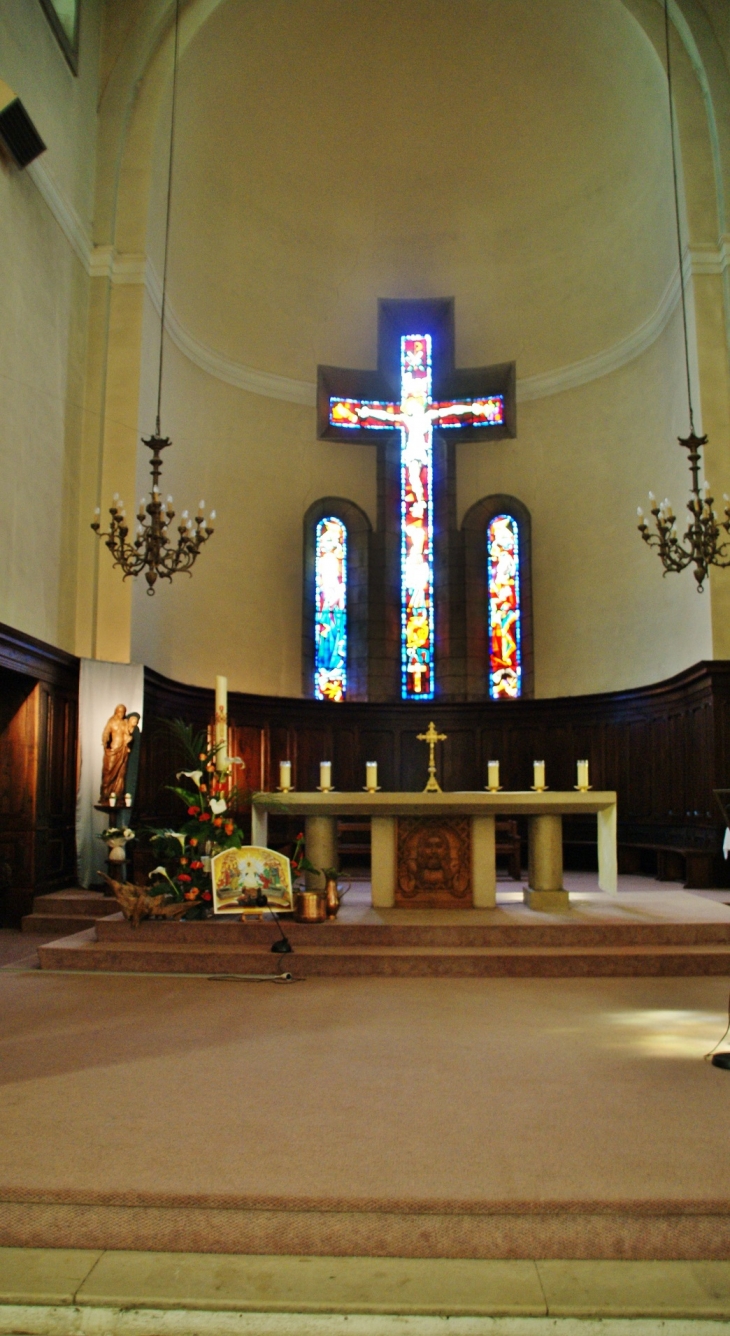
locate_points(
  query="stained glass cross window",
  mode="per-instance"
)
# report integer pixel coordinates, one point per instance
(416, 413)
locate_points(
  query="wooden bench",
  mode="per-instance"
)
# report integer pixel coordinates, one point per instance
(694, 867)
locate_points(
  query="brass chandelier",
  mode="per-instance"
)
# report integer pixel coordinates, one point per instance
(702, 544)
(153, 549)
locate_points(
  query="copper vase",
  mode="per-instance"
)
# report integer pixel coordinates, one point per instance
(332, 897)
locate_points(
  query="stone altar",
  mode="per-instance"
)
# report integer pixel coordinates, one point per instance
(545, 811)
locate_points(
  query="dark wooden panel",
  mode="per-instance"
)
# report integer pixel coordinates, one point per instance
(663, 748)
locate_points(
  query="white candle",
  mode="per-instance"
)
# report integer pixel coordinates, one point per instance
(582, 774)
(371, 774)
(112, 799)
(127, 800)
(284, 774)
(221, 723)
(493, 774)
(325, 774)
(538, 769)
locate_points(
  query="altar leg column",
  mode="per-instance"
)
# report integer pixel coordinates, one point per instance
(545, 882)
(320, 844)
(382, 861)
(483, 862)
(259, 827)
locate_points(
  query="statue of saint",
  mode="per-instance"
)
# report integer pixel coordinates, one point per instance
(116, 741)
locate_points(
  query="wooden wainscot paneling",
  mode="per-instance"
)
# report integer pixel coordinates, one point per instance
(664, 748)
(38, 760)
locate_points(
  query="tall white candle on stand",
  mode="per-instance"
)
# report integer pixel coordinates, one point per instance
(583, 775)
(371, 775)
(493, 774)
(284, 775)
(325, 774)
(538, 771)
(221, 723)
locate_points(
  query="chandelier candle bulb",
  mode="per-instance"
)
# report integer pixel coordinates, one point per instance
(221, 724)
(582, 775)
(371, 776)
(325, 775)
(538, 774)
(493, 775)
(285, 776)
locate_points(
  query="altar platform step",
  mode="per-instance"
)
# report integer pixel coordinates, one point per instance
(673, 933)
(68, 911)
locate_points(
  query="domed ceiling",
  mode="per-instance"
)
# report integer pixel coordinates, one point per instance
(510, 153)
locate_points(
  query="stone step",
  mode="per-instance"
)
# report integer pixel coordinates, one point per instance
(259, 935)
(68, 911)
(84, 952)
(73, 902)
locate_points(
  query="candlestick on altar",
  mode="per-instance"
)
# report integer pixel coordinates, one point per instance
(371, 777)
(432, 737)
(221, 725)
(493, 783)
(284, 776)
(538, 775)
(325, 777)
(582, 785)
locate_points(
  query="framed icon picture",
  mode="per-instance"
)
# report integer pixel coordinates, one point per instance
(242, 876)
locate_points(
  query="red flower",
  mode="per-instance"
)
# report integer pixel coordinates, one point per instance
(217, 820)
(196, 866)
(183, 861)
(205, 816)
(203, 788)
(229, 827)
(193, 842)
(206, 895)
(190, 895)
(193, 811)
(183, 876)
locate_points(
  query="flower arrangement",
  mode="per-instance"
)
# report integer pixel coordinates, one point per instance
(210, 802)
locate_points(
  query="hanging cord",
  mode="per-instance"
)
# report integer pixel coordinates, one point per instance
(708, 1056)
(676, 213)
(167, 211)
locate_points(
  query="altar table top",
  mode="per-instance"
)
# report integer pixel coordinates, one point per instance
(467, 803)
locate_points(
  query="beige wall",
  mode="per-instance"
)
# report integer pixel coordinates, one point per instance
(539, 196)
(43, 321)
(512, 153)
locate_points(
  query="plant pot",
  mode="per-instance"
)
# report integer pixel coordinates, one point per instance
(310, 907)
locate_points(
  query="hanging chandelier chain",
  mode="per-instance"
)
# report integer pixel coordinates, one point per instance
(677, 213)
(152, 550)
(163, 303)
(702, 545)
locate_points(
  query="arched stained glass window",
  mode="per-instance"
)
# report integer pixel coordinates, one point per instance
(330, 609)
(505, 631)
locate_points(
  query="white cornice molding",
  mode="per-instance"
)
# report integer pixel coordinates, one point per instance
(709, 259)
(530, 387)
(64, 213)
(575, 374)
(103, 262)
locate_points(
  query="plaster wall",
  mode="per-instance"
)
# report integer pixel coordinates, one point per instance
(44, 289)
(534, 185)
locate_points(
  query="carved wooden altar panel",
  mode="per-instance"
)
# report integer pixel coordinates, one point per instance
(433, 863)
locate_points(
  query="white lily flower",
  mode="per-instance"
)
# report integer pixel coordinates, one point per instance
(218, 805)
(195, 775)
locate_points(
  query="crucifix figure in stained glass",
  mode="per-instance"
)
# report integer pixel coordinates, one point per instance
(416, 332)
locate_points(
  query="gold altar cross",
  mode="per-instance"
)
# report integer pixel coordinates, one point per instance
(432, 737)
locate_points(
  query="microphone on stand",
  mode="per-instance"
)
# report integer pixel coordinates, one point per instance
(284, 947)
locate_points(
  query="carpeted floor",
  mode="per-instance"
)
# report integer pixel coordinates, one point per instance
(392, 1095)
